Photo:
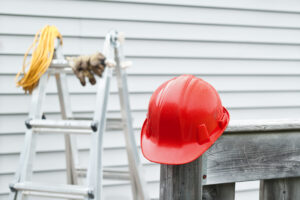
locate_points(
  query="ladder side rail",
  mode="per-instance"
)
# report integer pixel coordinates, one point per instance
(66, 113)
(24, 170)
(70, 141)
(29, 159)
(95, 170)
(94, 181)
(34, 100)
(131, 147)
(62, 89)
(125, 122)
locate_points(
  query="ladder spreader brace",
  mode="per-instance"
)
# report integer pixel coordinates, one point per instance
(22, 187)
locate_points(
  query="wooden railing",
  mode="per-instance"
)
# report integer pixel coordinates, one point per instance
(265, 150)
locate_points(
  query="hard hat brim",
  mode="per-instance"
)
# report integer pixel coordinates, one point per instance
(177, 155)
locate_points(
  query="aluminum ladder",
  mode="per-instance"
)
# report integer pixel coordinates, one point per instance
(23, 187)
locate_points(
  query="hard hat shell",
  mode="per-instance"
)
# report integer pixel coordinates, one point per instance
(185, 117)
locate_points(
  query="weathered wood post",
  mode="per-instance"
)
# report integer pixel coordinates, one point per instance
(280, 189)
(185, 182)
(181, 182)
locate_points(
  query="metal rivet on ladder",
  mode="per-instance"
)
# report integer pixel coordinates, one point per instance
(90, 193)
(27, 123)
(94, 126)
(12, 187)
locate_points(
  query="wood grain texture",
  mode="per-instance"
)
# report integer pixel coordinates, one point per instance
(263, 125)
(280, 189)
(219, 192)
(181, 182)
(244, 157)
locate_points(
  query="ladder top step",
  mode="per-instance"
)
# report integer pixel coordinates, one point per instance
(59, 63)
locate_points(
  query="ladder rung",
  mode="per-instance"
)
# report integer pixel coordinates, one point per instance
(60, 65)
(45, 194)
(57, 189)
(60, 130)
(64, 124)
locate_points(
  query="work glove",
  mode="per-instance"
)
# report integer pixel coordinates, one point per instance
(97, 63)
(87, 66)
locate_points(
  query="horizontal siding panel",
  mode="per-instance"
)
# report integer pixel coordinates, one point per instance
(44, 161)
(247, 194)
(149, 30)
(163, 48)
(250, 185)
(267, 6)
(13, 143)
(10, 104)
(11, 64)
(151, 82)
(73, 85)
(102, 10)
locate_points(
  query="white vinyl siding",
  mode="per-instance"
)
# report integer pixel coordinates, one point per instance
(249, 51)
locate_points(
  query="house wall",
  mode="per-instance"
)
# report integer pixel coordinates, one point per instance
(250, 52)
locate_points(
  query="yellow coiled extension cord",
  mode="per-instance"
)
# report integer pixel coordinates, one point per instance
(43, 49)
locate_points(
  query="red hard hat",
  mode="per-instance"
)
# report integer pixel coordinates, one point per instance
(185, 117)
